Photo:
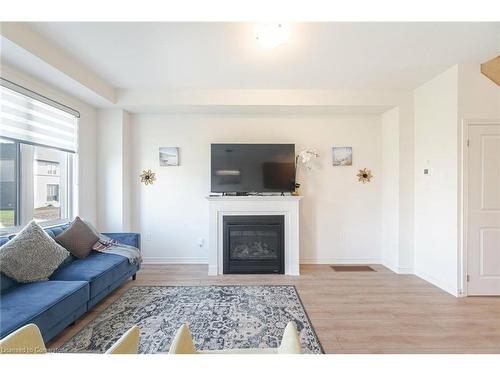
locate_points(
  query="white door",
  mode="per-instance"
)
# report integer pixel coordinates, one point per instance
(483, 209)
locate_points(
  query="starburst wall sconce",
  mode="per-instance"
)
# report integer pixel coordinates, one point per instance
(147, 177)
(364, 175)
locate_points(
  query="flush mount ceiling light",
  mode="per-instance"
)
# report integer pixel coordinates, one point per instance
(272, 35)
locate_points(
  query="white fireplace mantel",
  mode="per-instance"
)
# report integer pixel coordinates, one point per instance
(221, 206)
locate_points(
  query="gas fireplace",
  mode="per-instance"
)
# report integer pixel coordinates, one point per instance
(253, 244)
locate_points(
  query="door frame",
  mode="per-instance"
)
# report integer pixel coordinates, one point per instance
(463, 200)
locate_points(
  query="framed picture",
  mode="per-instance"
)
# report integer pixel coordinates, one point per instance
(169, 156)
(342, 156)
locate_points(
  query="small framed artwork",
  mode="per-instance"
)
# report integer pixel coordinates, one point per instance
(169, 156)
(342, 156)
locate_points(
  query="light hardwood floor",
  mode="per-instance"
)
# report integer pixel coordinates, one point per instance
(356, 312)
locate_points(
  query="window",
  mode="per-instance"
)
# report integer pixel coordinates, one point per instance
(51, 173)
(37, 160)
(52, 193)
(45, 167)
(8, 183)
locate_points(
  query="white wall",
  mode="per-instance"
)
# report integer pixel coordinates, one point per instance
(87, 151)
(113, 148)
(279, 102)
(109, 184)
(441, 106)
(478, 96)
(436, 137)
(390, 189)
(340, 217)
(126, 173)
(478, 99)
(406, 183)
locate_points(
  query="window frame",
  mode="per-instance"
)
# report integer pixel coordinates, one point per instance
(24, 210)
(17, 178)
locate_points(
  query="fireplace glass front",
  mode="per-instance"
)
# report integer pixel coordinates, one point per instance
(253, 244)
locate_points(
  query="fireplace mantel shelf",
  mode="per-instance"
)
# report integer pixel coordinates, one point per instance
(278, 198)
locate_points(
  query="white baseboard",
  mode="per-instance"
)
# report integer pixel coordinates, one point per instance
(390, 265)
(174, 260)
(397, 269)
(340, 261)
(202, 260)
(438, 282)
(212, 270)
(406, 271)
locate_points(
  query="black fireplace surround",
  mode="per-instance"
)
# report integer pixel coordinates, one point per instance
(253, 244)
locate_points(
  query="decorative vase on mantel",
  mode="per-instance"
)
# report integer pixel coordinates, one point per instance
(296, 192)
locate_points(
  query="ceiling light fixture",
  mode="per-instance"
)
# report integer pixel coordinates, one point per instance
(272, 35)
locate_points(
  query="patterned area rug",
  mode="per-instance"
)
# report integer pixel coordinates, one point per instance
(218, 316)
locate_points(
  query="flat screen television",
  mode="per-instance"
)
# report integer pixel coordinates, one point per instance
(252, 168)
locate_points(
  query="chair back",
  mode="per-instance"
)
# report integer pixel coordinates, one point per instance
(182, 342)
(290, 343)
(127, 344)
(25, 340)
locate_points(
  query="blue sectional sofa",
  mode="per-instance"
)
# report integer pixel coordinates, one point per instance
(73, 289)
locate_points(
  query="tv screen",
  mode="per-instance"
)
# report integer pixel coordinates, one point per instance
(252, 168)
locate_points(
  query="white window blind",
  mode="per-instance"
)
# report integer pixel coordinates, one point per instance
(32, 121)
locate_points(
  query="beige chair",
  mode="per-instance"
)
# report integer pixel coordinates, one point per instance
(290, 344)
(28, 340)
(25, 340)
(127, 344)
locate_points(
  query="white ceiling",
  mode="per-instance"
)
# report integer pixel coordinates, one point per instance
(22, 60)
(317, 56)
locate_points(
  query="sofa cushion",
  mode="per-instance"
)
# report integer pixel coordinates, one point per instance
(78, 239)
(44, 303)
(32, 255)
(99, 269)
(4, 240)
(57, 230)
(6, 283)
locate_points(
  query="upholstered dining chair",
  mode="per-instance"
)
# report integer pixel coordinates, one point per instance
(25, 340)
(290, 344)
(28, 340)
(127, 344)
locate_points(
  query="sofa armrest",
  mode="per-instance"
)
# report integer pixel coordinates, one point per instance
(132, 239)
